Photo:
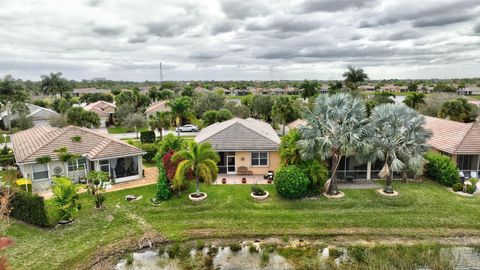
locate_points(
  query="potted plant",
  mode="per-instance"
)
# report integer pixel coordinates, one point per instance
(259, 193)
(224, 180)
(244, 180)
(65, 198)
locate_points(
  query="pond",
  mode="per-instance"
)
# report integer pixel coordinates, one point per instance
(254, 255)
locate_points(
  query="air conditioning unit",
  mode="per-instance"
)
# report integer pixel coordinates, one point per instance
(58, 170)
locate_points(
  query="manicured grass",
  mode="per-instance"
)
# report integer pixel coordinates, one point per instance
(422, 211)
(2, 140)
(118, 130)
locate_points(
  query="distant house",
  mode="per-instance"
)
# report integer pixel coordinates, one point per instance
(104, 110)
(244, 145)
(393, 88)
(460, 141)
(160, 106)
(39, 115)
(223, 90)
(241, 92)
(366, 87)
(468, 91)
(99, 152)
(201, 90)
(81, 91)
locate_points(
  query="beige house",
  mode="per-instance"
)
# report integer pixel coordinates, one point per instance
(104, 110)
(245, 146)
(460, 141)
(160, 106)
(97, 151)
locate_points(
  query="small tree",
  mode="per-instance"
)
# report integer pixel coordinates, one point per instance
(160, 121)
(163, 189)
(65, 197)
(135, 121)
(97, 181)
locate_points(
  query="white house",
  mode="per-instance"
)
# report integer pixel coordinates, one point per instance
(39, 115)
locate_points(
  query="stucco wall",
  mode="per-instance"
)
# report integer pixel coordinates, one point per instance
(244, 159)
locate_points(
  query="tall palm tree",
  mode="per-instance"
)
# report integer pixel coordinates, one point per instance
(336, 128)
(398, 138)
(54, 84)
(160, 121)
(309, 88)
(284, 109)
(353, 76)
(413, 100)
(180, 108)
(201, 159)
(12, 95)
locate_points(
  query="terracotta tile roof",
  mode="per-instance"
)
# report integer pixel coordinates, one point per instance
(454, 137)
(30, 144)
(100, 107)
(240, 135)
(297, 124)
(160, 106)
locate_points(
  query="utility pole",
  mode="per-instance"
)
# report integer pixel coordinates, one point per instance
(161, 73)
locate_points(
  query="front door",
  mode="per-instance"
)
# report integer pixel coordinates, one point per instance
(230, 163)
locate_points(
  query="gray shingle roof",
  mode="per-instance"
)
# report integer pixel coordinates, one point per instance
(30, 144)
(240, 135)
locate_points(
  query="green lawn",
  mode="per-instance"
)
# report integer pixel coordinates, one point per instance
(2, 140)
(423, 211)
(117, 130)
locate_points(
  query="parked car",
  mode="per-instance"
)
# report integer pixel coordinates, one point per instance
(188, 128)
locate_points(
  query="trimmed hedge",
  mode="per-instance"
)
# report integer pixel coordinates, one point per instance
(151, 150)
(29, 208)
(6, 160)
(441, 169)
(291, 182)
(147, 136)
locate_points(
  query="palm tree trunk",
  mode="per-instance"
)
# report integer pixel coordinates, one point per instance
(136, 133)
(284, 123)
(388, 183)
(161, 135)
(332, 189)
(197, 183)
(177, 123)
(9, 120)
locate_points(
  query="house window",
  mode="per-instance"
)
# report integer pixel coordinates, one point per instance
(105, 166)
(259, 158)
(40, 171)
(76, 165)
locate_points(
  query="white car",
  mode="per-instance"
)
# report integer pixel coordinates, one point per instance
(188, 128)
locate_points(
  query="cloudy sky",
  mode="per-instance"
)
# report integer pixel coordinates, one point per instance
(239, 39)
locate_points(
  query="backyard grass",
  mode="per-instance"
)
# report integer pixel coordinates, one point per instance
(118, 130)
(423, 211)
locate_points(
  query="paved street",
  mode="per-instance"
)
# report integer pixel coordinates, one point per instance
(132, 135)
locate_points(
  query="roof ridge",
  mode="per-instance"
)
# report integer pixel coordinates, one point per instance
(103, 145)
(65, 129)
(466, 134)
(107, 137)
(228, 126)
(263, 135)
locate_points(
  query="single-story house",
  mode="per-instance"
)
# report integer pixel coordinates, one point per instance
(39, 115)
(104, 110)
(97, 151)
(244, 146)
(468, 91)
(366, 87)
(90, 90)
(460, 141)
(160, 106)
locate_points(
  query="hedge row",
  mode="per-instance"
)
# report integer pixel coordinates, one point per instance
(441, 169)
(147, 136)
(29, 208)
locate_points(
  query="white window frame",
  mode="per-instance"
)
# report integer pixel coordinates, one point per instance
(100, 165)
(47, 170)
(259, 158)
(76, 165)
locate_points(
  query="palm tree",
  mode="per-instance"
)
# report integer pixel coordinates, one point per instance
(309, 88)
(54, 84)
(160, 121)
(199, 158)
(12, 95)
(289, 150)
(336, 128)
(284, 109)
(353, 76)
(180, 108)
(398, 138)
(413, 100)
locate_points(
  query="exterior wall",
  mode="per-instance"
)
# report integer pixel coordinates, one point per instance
(244, 159)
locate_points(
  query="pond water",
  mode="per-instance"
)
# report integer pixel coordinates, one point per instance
(255, 256)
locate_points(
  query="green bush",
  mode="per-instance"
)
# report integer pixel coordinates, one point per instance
(150, 149)
(235, 247)
(29, 208)
(441, 169)
(257, 190)
(147, 136)
(471, 189)
(6, 160)
(291, 182)
(457, 187)
(473, 180)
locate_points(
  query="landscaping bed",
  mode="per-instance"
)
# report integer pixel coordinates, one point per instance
(424, 212)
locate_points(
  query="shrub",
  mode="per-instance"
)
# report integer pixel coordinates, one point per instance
(457, 187)
(257, 190)
(441, 169)
(471, 189)
(147, 136)
(29, 208)
(291, 182)
(235, 247)
(65, 197)
(6, 160)
(150, 149)
(163, 190)
(473, 180)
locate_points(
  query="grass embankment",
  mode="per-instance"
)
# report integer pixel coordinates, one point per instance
(119, 130)
(423, 212)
